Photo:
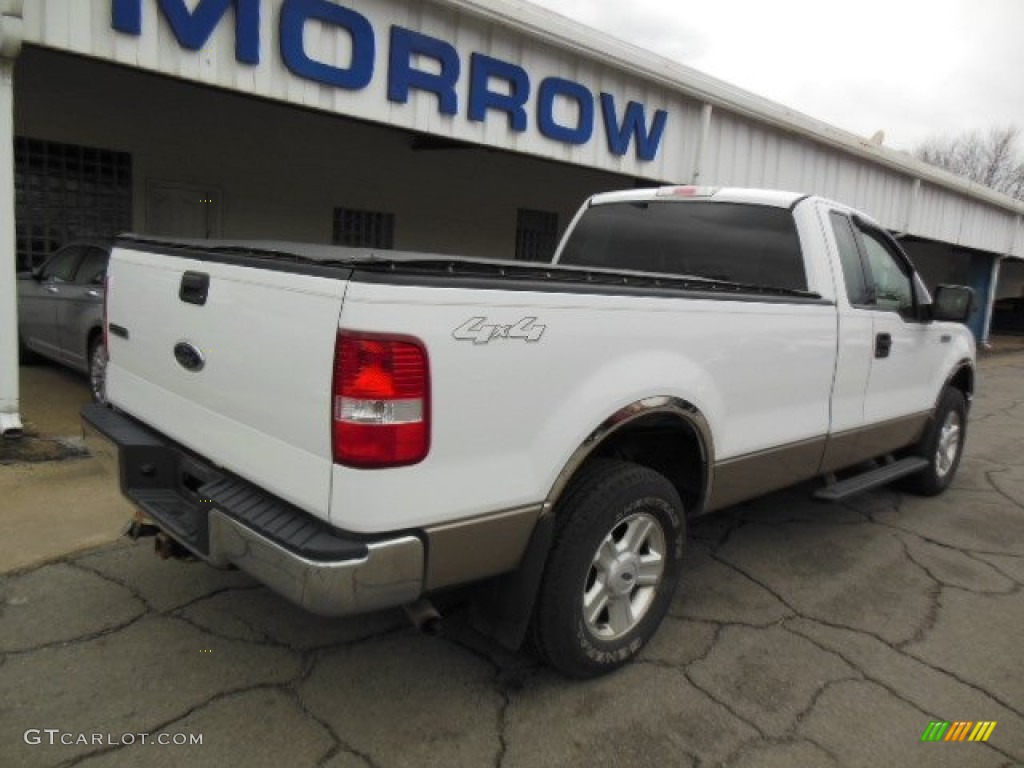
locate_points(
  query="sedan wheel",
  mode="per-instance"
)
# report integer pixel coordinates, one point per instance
(98, 372)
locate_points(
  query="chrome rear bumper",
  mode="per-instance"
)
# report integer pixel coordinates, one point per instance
(227, 521)
(391, 574)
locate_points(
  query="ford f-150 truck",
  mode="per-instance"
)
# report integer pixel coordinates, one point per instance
(361, 430)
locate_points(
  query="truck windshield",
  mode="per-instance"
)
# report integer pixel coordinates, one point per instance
(753, 244)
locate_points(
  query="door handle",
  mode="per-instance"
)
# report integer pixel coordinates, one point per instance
(194, 288)
(52, 289)
(93, 293)
(883, 344)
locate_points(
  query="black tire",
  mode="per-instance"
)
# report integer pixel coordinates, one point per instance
(98, 369)
(948, 423)
(634, 512)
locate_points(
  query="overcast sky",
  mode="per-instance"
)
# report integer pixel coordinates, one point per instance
(913, 68)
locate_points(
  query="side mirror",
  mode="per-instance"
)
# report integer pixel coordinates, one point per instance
(37, 273)
(952, 303)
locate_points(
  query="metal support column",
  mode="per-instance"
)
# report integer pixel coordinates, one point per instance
(700, 151)
(986, 328)
(982, 275)
(10, 45)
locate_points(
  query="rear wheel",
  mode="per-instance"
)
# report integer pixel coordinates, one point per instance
(612, 570)
(25, 355)
(98, 369)
(942, 445)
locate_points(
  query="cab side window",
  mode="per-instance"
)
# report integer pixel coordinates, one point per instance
(857, 289)
(890, 279)
(63, 265)
(93, 267)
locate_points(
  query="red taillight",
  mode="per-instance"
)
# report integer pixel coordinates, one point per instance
(380, 401)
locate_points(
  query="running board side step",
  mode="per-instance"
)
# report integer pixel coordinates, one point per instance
(866, 481)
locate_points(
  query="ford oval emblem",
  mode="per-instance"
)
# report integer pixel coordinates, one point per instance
(189, 357)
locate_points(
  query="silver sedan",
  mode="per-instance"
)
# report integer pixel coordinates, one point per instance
(60, 311)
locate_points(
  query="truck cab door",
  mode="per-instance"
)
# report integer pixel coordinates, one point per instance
(906, 349)
(856, 327)
(888, 358)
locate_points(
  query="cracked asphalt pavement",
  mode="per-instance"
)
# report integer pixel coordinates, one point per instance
(803, 634)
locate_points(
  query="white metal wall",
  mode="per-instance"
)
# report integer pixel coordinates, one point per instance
(84, 26)
(448, 201)
(749, 141)
(744, 153)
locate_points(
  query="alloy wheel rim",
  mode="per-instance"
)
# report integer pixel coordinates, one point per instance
(624, 576)
(949, 444)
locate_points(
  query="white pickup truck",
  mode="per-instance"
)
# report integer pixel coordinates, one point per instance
(361, 430)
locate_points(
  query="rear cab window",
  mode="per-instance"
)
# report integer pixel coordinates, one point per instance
(735, 242)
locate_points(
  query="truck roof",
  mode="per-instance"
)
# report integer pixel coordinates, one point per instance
(773, 197)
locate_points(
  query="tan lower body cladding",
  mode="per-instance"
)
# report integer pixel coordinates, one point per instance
(474, 549)
(745, 477)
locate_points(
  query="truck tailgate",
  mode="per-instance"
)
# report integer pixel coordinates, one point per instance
(242, 377)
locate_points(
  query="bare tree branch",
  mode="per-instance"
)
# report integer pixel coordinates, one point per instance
(990, 158)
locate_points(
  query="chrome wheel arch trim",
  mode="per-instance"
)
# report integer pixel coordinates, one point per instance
(684, 410)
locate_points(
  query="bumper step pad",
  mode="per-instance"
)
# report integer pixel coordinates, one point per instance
(177, 490)
(280, 522)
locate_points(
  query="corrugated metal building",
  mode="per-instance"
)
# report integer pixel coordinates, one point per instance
(458, 126)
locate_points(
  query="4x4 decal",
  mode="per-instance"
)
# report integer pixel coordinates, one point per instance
(480, 331)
